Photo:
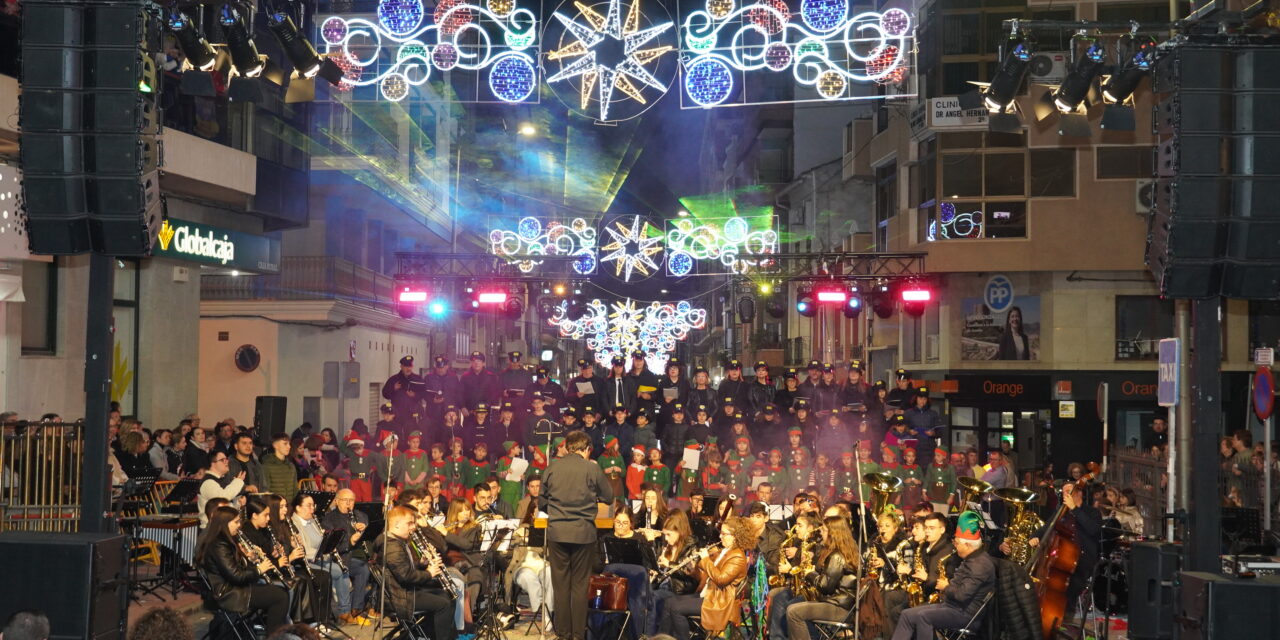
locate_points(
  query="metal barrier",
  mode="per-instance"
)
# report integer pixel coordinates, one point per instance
(1135, 468)
(40, 473)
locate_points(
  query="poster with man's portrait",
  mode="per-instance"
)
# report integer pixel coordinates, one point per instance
(1012, 334)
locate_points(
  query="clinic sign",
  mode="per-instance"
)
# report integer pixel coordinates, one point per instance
(998, 294)
(216, 246)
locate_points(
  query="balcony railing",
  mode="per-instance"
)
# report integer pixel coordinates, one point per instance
(305, 278)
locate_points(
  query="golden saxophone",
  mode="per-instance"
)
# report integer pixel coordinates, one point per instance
(914, 587)
(936, 596)
(800, 586)
(778, 579)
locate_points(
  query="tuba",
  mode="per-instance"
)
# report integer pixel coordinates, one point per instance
(971, 490)
(1023, 522)
(883, 486)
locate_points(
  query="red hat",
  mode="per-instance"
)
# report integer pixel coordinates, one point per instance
(638, 447)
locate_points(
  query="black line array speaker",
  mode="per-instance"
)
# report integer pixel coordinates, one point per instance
(1213, 229)
(1214, 607)
(268, 418)
(1152, 569)
(77, 579)
(91, 127)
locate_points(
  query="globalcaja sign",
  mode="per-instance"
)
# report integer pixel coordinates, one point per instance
(207, 244)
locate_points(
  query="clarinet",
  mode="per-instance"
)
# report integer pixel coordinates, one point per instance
(278, 550)
(430, 556)
(256, 556)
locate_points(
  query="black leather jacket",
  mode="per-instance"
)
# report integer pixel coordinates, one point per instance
(837, 582)
(230, 576)
(685, 581)
(408, 577)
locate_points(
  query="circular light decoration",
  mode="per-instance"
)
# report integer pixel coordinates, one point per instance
(831, 84)
(501, 8)
(451, 21)
(771, 21)
(735, 230)
(609, 60)
(885, 66)
(400, 17)
(708, 81)
(719, 8)
(680, 264)
(895, 22)
(946, 212)
(445, 56)
(631, 263)
(394, 87)
(513, 77)
(823, 15)
(777, 56)
(529, 228)
(351, 72)
(333, 30)
(586, 263)
(810, 46)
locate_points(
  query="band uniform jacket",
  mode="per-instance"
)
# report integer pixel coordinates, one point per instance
(230, 576)
(404, 404)
(571, 488)
(720, 584)
(479, 387)
(619, 391)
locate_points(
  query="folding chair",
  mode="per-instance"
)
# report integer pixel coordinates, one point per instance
(971, 628)
(240, 625)
(832, 629)
(307, 484)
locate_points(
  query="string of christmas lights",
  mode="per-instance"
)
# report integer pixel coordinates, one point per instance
(458, 36)
(532, 238)
(731, 241)
(622, 328)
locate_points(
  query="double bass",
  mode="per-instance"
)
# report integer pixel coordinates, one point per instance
(1059, 555)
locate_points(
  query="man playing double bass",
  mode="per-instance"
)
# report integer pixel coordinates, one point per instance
(962, 595)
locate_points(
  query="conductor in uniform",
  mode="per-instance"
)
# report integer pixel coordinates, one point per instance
(572, 487)
(405, 391)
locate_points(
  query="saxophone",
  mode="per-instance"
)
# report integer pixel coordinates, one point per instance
(778, 580)
(800, 586)
(936, 596)
(913, 587)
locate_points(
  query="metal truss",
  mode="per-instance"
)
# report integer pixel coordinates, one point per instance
(426, 267)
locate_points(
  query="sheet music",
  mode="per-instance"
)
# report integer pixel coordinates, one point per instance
(671, 393)
(518, 467)
(779, 511)
(489, 530)
(585, 388)
(691, 459)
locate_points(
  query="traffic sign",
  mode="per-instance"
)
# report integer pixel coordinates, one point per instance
(1264, 356)
(1169, 379)
(1102, 400)
(1264, 393)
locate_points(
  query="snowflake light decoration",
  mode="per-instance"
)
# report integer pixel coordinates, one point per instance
(626, 232)
(407, 43)
(623, 328)
(732, 242)
(531, 238)
(600, 55)
(822, 46)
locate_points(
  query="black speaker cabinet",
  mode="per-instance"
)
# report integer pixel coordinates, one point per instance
(77, 579)
(1152, 568)
(268, 417)
(1213, 607)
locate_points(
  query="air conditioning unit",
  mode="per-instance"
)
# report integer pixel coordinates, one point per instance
(1049, 67)
(931, 348)
(1144, 193)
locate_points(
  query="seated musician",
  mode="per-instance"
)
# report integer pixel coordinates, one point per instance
(462, 533)
(415, 585)
(419, 501)
(896, 598)
(234, 577)
(799, 552)
(258, 530)
(889, 547)
(487, 506)
(677, 572)
(528, 567)
(651, 514)
(312, 534)
(938, 553)
(963, 595)
(835, 581)
(313, 592)
(353, 551)
(723, 569)
(639, 594)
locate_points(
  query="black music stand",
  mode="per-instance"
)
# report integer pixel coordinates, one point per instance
(628, 551)
(184, 491)
(323, 499)
(329, 545)
(488, 626)
(371, 509)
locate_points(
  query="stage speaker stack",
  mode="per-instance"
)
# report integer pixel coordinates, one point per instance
(91, 126)
(1214, 228)
(78, 579)
(1152, 568)
(1213, 607)
(268, 418)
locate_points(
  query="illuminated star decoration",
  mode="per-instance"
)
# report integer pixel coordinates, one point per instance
(609, 54)
(627, 262)
(654, 329)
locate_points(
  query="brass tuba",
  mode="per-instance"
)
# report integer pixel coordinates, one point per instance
(971, 490)
(883, 486)
(1023, 522)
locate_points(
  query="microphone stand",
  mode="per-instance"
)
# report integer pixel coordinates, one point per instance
(386, 489)
(862, 524)
(550, 427)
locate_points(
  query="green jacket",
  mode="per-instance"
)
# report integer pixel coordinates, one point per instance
(280, 476)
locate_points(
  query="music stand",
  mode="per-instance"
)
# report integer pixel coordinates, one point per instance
(629, 551)
(184, 491)
(329, 544)
(488, 626)
(374, 512)
(323, 499)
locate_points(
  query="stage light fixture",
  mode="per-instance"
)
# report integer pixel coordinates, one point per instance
(438, 309)
(299, 50)
(746, 309)
(492, 297)
(852, 307)
(916, 293)
(832, 295)
(1135, 58)
(195, 48)
(244, 53)
(882, 302)
(513, 307)
(1075, 87)
(805, 304)
(765, 288)
(412, 294)
(775, 309)
(560, 289)
(915, 297)
(1009, 76)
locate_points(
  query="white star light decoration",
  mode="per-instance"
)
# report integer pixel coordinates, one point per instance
(647, 245)
(654, 329)
(609, 55)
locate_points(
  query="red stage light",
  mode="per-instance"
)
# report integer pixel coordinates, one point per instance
(916, 295)
(410, 295)
(832, 296)
(493, 297)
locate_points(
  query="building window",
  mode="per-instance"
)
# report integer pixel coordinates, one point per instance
(1264, 325)
(886, 201)
(1141, 321)
(1053, 173)
(40, 311)
(977, 220)
(1123, 163)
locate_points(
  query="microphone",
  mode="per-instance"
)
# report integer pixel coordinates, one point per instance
(390, 439)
